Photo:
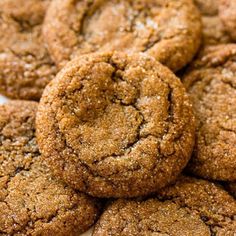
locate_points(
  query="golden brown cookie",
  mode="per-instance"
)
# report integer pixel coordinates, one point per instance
(32, 202)
(228, 16)
(211, 202)
(211, 83)
(149, 217)
(116, 125)
(214, 31)
(168, 30)
(25, 65)
(190, 207)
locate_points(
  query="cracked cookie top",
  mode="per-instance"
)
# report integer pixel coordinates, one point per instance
(215, 207)
(190, 207)
(114, 125)
(168, 30)
(32, 202)
(150, 217)
(227, 10)
(25, 65)
(214, 32)
(211, 83)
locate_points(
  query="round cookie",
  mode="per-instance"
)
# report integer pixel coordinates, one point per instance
(214, 31)
(169, 30)
(210, 201)
(25, 65)
(116, 125)
(227, 10)
(211, 83)
(190, 207)
(32, 202)
(149, 217)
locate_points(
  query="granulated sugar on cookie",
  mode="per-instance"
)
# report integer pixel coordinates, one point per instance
(190, 207)
(211, 84)
(116, 125)
(32, 202)
(170, 30)
(25, 65)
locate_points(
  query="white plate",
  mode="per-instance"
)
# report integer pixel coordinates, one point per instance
(4, 100)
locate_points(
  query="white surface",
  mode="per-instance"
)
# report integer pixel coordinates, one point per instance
(4, 100)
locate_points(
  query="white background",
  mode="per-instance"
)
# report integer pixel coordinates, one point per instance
(3, 100)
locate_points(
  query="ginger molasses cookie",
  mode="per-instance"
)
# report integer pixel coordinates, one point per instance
(190, 207)
(210, 201)
(211, 83)
(228, 16)
(116, 125)
(32, 202)
(214, 31)
(169, 30)
(25, 65)
(149, 217)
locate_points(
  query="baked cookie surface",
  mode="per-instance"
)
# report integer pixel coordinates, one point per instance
(150, 217)
(214, 31)
(210, 201)
(190, 207)
(115, 125)
(211, 83)
(169, 30)
(32, 202)
(228, 16)
(25, 65)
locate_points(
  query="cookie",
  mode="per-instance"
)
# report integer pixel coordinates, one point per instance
(228, 16)
(210, 201)
(25, 65)
(170, 30)
(191, 207)
(214, 31)
(150, 217)
(32, 202)
(231, 187)
(211, 83)
(116, 125)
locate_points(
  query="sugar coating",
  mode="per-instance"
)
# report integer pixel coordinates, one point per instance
(168, 30)
(32, 202)
(25, 65)
(189, 207)
(116, 125)
(211, 83)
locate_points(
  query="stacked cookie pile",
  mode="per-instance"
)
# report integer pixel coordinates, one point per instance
(125, 115)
